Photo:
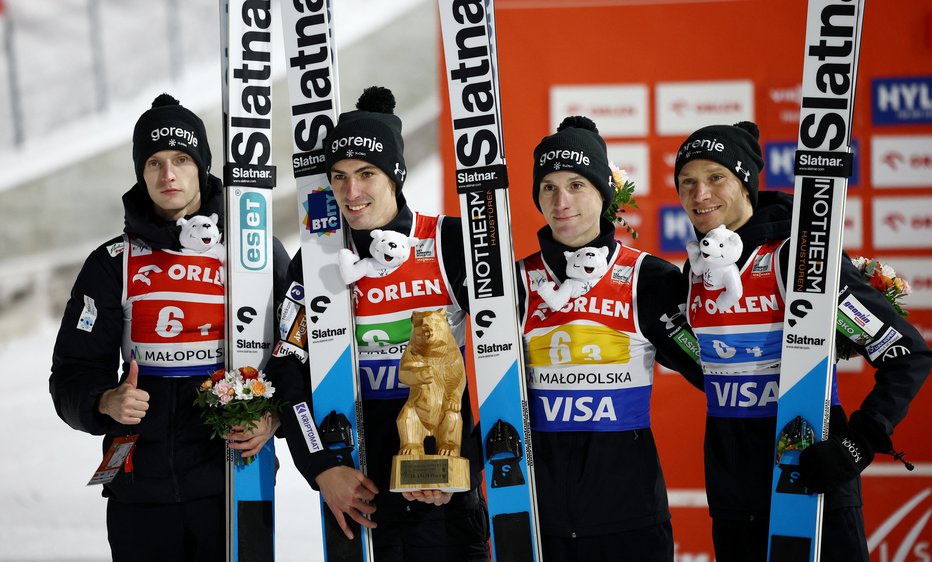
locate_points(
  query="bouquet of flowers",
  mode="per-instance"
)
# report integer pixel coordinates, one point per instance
(623, 199)
(883, 278)
(232, 398)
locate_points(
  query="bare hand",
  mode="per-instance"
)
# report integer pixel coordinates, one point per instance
(251, 441)
(347, 491)
(125, 403)
(434, 497)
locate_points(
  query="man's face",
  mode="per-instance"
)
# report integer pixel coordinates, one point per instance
(172, 181)
(712, 196)
(365, 194)
(571, 206)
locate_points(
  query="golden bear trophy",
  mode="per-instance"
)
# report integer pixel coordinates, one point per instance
(432, 366)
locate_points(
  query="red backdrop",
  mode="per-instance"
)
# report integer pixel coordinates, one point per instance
(666, 65)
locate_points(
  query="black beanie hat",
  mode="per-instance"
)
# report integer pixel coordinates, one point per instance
(372, 133)
(576, 146)
(733, 146)
(170, 126)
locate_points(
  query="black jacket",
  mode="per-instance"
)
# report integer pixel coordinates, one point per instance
(739, 453)
(591, 483)
(175, 460)
(291, 379)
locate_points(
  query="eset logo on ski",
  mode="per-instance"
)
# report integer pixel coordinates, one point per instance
(253, 217)
(322, 214)
(778, 173)
(900, 101)
(675, 229)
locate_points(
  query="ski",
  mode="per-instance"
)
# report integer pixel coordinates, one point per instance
(313, 89)
(823, 164)
(248, 178)
(468, 30)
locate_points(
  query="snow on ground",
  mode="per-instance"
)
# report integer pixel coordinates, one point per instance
(48, 512)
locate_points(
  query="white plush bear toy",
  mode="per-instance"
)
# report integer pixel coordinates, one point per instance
(201, 235)
(714, 258)
(584, 268)
(389, 250)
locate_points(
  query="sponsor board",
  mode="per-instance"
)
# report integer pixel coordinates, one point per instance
(633, 158)
(781, 104)
(619, 110)
(853, 237)
(901, 161)
(898, 101)
(683, 107)
(780, 156)
(902, 222)
(675, 229)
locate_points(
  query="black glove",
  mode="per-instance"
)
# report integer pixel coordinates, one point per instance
(826, 465)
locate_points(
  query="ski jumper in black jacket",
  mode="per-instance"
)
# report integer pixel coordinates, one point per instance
(739, 451)
(169, 504)
(406, 529)
(597, 470)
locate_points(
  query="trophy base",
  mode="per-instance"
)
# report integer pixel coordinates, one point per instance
(429, 472)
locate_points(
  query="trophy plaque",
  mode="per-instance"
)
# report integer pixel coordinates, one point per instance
(432, 367)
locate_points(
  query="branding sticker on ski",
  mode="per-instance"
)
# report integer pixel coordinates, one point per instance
(322, 214)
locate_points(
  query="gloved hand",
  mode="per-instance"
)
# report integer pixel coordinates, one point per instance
(826, 465)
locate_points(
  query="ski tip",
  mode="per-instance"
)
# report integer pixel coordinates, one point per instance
(377, 99)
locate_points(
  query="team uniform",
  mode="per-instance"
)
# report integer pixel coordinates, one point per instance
(741, 355)
(600, 487)
(138, 296)
(432, 277)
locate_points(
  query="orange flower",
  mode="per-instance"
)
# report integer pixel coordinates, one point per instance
(207, 385)
(249, 373)
(257, 387)
(217, 375)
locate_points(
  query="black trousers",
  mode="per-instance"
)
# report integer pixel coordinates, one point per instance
(436, 536)
(647, 544)
(192, 531)
(843, 538)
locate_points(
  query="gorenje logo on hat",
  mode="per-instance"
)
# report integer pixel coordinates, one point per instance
(185, 134)
(707, 145)
(372, 143)
(577, 156)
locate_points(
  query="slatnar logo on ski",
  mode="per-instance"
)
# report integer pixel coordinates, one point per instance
(823, 119)
(310, 85)
(250, 83)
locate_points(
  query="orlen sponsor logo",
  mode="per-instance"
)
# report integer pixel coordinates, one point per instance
(778, 173)
(619, 110)
(634, 159)
(901, 161)
(918, 273)
(785, 102)
(684, 107)
(902, 222)
(853, 237)
(902, 100)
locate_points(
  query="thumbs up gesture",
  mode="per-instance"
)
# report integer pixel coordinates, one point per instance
(126, 403)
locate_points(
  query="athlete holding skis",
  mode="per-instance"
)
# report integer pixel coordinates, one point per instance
(163, 309)
(590, 357)
(716, 175)
(366, 167)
